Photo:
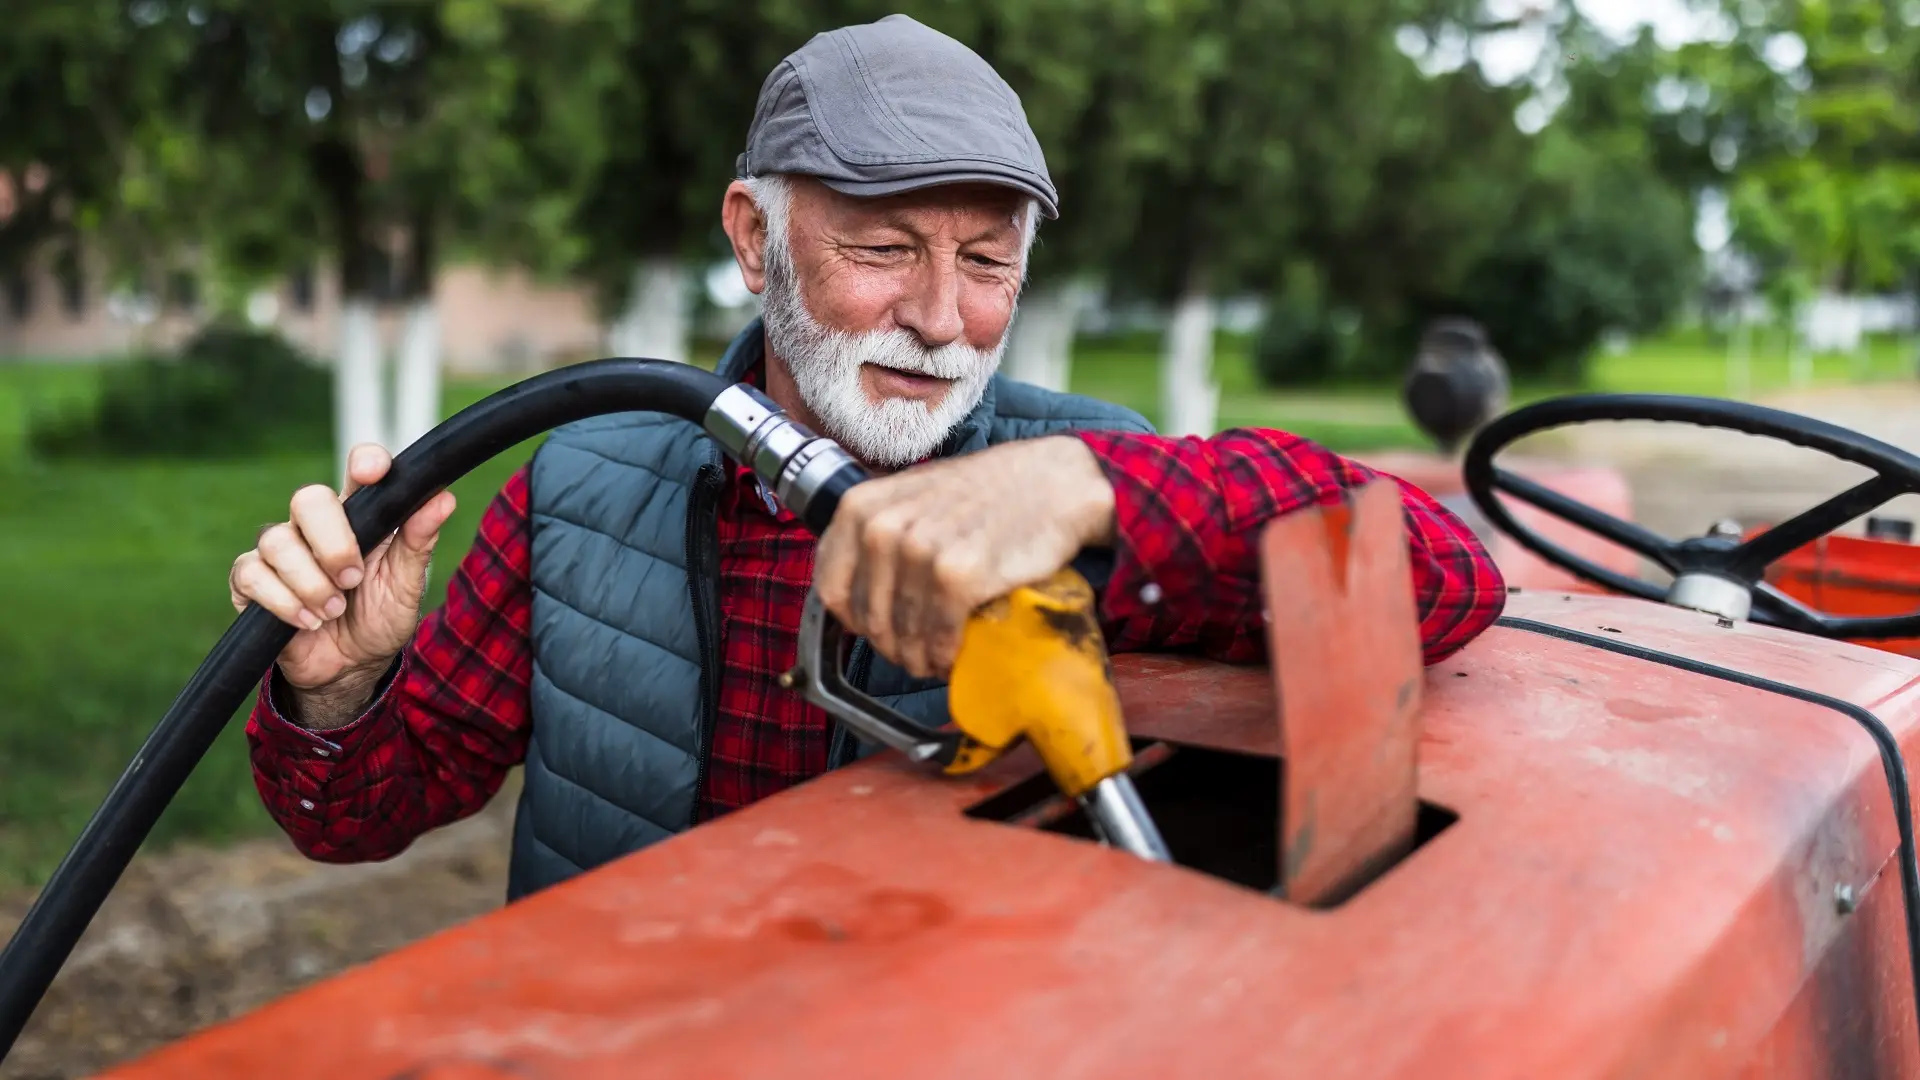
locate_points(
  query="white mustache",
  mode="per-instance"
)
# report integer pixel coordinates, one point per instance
(902, 350)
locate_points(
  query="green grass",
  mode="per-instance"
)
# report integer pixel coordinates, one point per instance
(1128, 372)
(1690, 363)
(25, 387)
(112, 575)
(1360, 418)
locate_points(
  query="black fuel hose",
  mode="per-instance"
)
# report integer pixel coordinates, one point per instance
(808, 472)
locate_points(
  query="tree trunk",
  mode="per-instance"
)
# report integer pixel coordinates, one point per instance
(1189, 397)
(655, 324)
(360, 414)
(1862, 343)
(359, 391)
(1040, 350)
(1799, 356)
(416, 397)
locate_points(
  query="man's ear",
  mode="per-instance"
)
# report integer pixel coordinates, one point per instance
(747, 230)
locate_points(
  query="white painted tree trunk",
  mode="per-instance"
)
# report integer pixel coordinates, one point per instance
(416, 392)
(1190, 399)
(1799, 358)
(1041, 348)
(655, 323)
(359, 392)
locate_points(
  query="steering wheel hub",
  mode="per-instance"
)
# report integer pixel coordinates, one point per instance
(1713, 594)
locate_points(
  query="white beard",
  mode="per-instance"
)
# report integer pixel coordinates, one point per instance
(825, 364)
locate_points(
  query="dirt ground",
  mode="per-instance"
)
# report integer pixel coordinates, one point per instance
(192, 937)
(195, 936)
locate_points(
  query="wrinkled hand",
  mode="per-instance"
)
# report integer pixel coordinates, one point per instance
(354, 614)
(911, 555)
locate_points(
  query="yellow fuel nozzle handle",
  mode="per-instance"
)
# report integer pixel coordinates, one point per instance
(1033, 665)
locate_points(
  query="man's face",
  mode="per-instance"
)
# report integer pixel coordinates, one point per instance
(890, 315)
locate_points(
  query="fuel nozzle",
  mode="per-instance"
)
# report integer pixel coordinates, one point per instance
(807, 472)
(1032, 665)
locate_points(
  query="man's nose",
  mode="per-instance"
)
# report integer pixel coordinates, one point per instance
(931, 306)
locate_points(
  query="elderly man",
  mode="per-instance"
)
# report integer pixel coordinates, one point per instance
(621, 622)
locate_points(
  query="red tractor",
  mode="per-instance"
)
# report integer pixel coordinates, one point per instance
(1636, 829)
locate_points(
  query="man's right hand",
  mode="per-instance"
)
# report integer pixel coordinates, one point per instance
(354, 614)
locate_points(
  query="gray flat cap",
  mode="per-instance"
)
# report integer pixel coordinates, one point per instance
(893, 106)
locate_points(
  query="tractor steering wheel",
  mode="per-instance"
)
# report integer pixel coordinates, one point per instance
(1716, 573)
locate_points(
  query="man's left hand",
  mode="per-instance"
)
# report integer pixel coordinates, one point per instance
(911, 555)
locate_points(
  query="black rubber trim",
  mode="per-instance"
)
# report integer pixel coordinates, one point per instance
(1883, 740)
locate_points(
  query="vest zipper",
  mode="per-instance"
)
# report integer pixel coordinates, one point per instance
(703, 542)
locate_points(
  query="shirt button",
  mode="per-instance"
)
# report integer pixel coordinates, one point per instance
(1150, 593)
(306, 804)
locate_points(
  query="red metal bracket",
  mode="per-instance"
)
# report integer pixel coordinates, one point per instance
(1343, 638)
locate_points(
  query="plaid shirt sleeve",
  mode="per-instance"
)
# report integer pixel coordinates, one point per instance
(1187, 564)
(447, 725)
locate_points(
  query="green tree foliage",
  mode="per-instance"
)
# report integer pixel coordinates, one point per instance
(80, 91)
(673, 126)
(1102, 81)
(502, 134)
(1813, 110)
(1297, 119)
(308, 127)
(1549, 240)
(1307, 336)
(1209, 145)
(1389, 251)
(1598, 235)
(1096, 78)
(1595, 244)
(1443, 189)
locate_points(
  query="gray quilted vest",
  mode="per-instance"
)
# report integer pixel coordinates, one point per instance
(625, 648)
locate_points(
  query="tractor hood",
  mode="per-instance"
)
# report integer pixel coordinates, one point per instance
(1643, 870)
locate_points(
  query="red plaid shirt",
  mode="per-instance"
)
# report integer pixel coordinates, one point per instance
(440, 738)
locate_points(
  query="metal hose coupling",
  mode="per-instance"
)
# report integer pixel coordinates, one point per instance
(807, 472)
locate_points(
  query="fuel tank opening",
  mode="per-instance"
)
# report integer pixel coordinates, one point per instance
(1219, 811)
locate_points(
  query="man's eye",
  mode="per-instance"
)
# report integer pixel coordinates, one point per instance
(982, 260)
(886, 249)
